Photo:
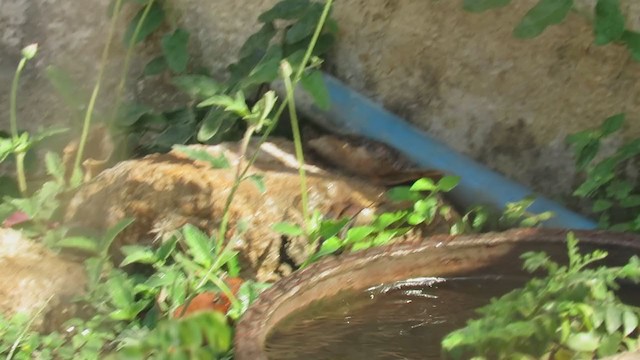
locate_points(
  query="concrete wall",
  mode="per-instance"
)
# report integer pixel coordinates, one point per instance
(462, 77)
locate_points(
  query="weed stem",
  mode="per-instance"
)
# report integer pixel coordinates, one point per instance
(296, 78)
(297, 142)
(13, 119)
(127, 63)
(96, 89)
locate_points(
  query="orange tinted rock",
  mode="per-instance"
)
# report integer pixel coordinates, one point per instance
(166, 191)
(210, 301)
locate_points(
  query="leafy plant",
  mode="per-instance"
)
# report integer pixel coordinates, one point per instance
(38, 211)
(205, 335)
(608, 20)
(329, 236)
(19, 143)
(572, 313)
(141, 315)
(208, 117)
(18, 342)
(613, 191)
(151, 315)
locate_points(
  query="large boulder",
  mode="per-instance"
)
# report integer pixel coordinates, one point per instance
(165, 191)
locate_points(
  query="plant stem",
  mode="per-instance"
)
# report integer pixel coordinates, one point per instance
(243, 148)
(13, 120)
(96, 89)
(22, 178)
(296, 78)
(297, 142)
(127, 61)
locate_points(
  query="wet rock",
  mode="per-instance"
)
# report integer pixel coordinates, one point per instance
(374, 160)
(36, 281)
(165, 191)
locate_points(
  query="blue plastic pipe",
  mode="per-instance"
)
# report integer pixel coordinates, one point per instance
(353, 113)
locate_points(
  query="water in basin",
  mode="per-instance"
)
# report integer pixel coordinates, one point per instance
(403, 320)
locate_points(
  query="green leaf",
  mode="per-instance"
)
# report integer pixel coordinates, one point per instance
(385, 220)
(215, 124)
(629, 321)
(258, 181)
(138, 254)
(201, 154)
(584, 341)
(261, 110)
(7, 147)
(330, 228)
(545, 13)
(362, 245)
(217, 333)
(483, 5)
(130, 113)
(480, 217)
(359, 233)
(306, 25)
(120, 291)
(237, 104)
(630, 201)
(601, 205)
(426, 206)
(175, 50)
(423, 184)
(266, 70)
(288, 229)
(383, 238)
(619, 189)
(54, 165)
(113, 231)
(609, 345)
(233, 266)
(81, 243)
(609, 22)
(416, 219)
(448, 183)
(45, 134)
(329, 246)
(632, 40)
(613, 319)
(151, 23)
(155, 67)
(612, 124)
(258, 43)
(586, 145)
(628, 150)
(313, 83)
(176, 133)
(167, 248)
(197, 86)
(200, 245)
(402, 193)
(287, 9)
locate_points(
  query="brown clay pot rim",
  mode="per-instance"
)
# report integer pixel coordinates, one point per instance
(306, 285)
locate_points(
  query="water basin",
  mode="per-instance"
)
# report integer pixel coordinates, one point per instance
(397, 302)
(402, 320)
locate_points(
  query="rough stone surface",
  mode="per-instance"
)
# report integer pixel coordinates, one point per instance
(164, 192)
(508, 103)
(34, 278)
